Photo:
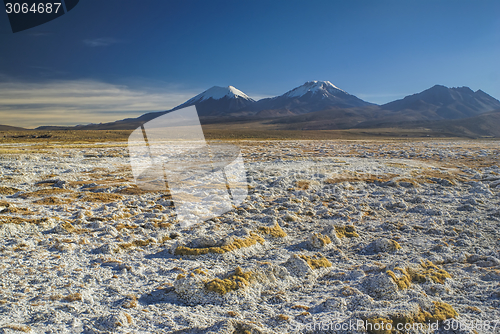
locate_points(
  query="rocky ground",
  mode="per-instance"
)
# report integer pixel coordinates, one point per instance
(332, 233)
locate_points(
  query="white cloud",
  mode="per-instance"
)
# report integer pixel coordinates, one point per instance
(100, 42)
(80, 102)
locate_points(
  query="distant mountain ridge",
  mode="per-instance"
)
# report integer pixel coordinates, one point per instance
(311, 96)
(221, 102)
(10, 128)
(320, 105)
(441, 102)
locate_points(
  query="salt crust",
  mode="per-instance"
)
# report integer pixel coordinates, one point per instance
(94, 267)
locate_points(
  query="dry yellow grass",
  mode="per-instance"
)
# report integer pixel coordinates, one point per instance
(236, 244)
(133, 190)
(20, 246)
(71, 229)
(283, 317)
(162, 225)
(55, 297)
(303, 184)
(348, 231)
(429, 272)
(135, 243)
(417, 176)
(52, 201)
(473, 309)
(403, 281)
(129, 318)
(323, 239)
(440, 312)
(69, 137)
(19, 220)
(131, 302)
(432, 272)
(424, 176)
(316, 261)
(121, 226)
(275, 231)
(199, 272)
(21, 328)
(237, 280)
(14, 209)
(73, 297)
(101, 197)
(8, 191)
(359, 177)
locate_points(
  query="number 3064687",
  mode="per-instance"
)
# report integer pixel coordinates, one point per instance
(39, 8)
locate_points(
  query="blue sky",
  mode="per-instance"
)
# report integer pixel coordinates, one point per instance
(107, 60)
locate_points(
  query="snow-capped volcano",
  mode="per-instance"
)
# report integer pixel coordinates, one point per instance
(218, 93)
(315, 87)
(311, 96)
(217, 101)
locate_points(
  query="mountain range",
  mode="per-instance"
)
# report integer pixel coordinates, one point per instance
(310, 97)
(440, 102)
(320, 105)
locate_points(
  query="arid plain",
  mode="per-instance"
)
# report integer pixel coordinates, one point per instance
(370, 230)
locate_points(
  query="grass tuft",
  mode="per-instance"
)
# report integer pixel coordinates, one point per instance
(346, 231)
(429, 272)
(232, 314)
(129, 318)
(8, 191)
(323, 239)
(236, 244)
(275, 231)
(134, 243)
(73, 297)
(316, 262)
(283, 317)
(403, 281)
(101, 197)
(21, 328)
(52, 201)
(71, 229)
(441, 311)
(302, 184)
(433, 272)
(131, 302)
(234, 282)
